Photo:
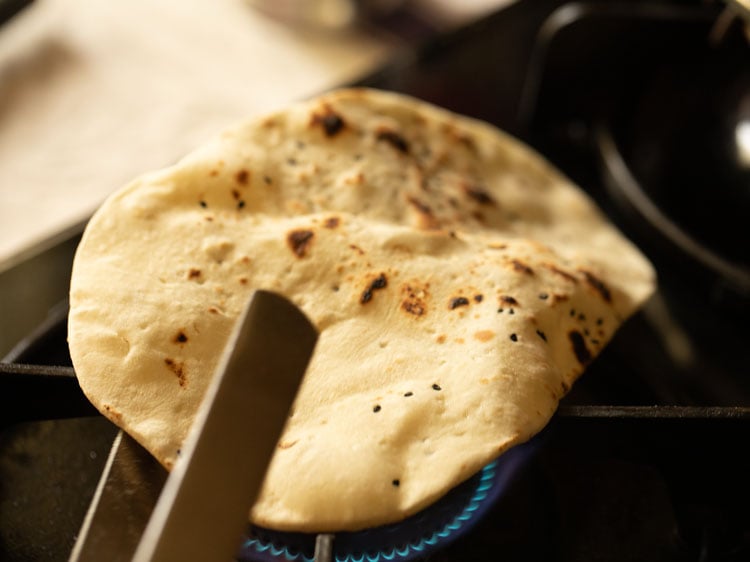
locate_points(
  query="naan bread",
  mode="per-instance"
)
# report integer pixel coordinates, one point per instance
(460, 285)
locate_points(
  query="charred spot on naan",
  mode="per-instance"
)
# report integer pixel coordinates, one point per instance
(378, 283)
(597, 285)
(478, 193)
(566, 275)
(331, 122)
(521, 267)
(457, 302)
(299, 241)
(507, 303)
(393, 138)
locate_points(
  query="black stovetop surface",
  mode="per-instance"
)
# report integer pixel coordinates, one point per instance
(665, 483)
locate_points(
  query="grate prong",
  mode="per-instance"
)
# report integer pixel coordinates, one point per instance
(323, 548)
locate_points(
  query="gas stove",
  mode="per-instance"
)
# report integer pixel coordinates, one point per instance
(645, 459)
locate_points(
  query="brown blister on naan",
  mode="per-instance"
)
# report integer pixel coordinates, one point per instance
(242, 177)
(456, 134)
(178, 368)
(557, 298)
(426, 219)
(414, 297)
(478, 193)
(269, 123)
(112, 413)
(560, 272)
(521, 267)
(597, 285)
(393, 138)
(330, 121)
(332, 222)
(299, 241)
(484, 335)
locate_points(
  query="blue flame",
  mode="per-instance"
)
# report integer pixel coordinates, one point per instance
(401, 553)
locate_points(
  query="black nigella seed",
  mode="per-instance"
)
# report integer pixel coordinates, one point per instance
(203, 204)
(572, 312)
(541, 335)
(595, 341)
(410, 393)
(511, 311)
(478, 298)
(582, 316)
(396, 482)
(436, 387)
(499, 310)
(240, 204)
(543, 296)
(376, 409)
(513, 337)
(599, 321)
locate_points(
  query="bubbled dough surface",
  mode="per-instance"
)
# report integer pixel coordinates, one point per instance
(460, 284)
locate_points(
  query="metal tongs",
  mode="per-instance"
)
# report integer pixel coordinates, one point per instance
(202, 510)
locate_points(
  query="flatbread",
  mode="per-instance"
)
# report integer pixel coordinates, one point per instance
(459, 282)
